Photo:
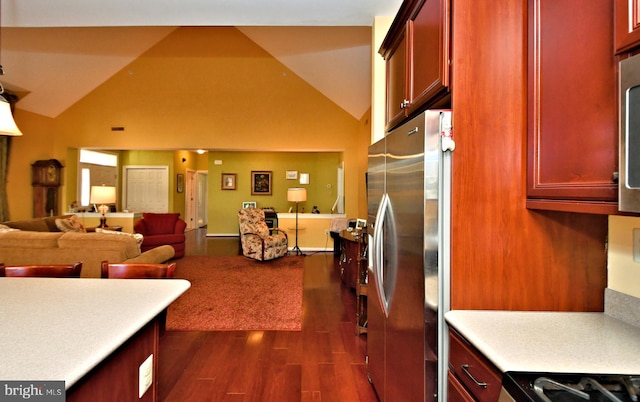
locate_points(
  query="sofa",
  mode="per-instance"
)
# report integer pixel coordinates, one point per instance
(162, 229)
(39, 241)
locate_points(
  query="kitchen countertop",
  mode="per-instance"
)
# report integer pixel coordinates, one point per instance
(61, 328)
(560, 342)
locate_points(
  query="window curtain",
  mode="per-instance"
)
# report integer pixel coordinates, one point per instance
(5, 145)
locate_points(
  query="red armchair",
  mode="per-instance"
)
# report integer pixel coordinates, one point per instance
(161, 229)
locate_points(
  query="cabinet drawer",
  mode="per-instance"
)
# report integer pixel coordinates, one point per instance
(457, 391)
(478, 375)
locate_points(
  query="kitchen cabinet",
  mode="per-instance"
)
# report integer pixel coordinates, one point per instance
(353, 272)
(416, 51)
(627, 34)
(572, 108)
(471, 376)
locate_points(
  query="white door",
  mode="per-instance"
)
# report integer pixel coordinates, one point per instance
(203, 190)
(146, 188)
(190, 196)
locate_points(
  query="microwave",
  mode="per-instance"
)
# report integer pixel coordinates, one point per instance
(629, 133)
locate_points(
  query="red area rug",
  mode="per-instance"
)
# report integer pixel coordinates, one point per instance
(238, 294)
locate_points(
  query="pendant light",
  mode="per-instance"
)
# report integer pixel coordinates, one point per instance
(7, 124)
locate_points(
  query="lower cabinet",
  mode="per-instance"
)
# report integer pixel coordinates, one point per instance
(471, 376)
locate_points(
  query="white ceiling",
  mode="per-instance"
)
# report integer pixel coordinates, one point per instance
(56, 52)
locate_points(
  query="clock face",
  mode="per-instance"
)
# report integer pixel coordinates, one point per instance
(52, 174)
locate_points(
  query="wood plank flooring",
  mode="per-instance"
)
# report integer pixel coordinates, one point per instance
(323, 362)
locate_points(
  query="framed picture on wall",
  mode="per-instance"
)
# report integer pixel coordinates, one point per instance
(292, 174)
(228, 181)
(248, 204)
(261, 182)
(180, 183)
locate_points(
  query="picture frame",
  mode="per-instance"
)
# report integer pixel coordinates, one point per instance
(180, 183)
(228, 181)
(292, 175)
(248, 204)
(304, 178)
(261, 182)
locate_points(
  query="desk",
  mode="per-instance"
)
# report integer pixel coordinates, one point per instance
(353, 272)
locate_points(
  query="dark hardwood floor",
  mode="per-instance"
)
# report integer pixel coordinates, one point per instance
(322, 362)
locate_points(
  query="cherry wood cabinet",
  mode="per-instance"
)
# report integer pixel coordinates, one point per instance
(416, 51)
(572, 106)
(627, 25)
(471, 376)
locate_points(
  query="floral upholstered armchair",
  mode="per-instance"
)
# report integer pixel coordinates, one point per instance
(257, 242)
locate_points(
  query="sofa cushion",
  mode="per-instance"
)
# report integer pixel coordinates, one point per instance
(32, 225)
(70, 224)
(99, 241)
(20, 239)
(136, 236)
(160, 223)
(5, 228)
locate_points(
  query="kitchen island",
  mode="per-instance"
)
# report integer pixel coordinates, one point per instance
(91, 333)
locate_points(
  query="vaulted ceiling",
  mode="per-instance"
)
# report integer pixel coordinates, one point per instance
(54, 53)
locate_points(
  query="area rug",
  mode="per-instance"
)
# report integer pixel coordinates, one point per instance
(235, 293)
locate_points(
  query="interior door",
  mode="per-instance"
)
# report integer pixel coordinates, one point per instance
(146, 188)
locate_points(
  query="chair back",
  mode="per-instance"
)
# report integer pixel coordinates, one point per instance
(251, 220)
(42, 271)
(137, 271)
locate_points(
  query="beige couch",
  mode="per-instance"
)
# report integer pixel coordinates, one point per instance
(49, 246)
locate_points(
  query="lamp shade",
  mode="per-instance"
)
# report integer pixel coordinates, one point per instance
(297, 194)
(7, 124)
(103, 195)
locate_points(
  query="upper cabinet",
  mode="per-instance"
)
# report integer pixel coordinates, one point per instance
(416, 51)
(572, 106)
(627, 24)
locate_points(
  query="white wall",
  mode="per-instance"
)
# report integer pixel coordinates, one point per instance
(623, 272)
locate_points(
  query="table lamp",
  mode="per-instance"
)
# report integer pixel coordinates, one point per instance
(297, 194)
(103, 195)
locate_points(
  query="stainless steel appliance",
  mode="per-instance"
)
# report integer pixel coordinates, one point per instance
(408, 191)
(629, 157)
(554, 387)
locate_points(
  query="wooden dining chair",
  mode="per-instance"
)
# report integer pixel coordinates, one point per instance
(137, 271)
(43, 271)
(141, 271)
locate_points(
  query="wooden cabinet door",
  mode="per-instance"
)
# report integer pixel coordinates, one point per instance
(416, 51)
(428, 61)
(627, 17)
(572, 107)
(396, 62)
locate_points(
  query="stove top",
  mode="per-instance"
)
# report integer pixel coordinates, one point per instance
(554, 387)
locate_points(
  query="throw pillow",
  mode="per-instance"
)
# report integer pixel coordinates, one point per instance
(70, 224)
(136, 236)
(5, 228)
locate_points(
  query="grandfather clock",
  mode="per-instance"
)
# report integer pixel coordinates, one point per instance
(46, 181)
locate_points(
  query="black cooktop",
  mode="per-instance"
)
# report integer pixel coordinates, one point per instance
(521, 387)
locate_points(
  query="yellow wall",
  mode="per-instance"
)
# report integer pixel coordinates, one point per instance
(623, 272)
(204, 87)
(223, 204)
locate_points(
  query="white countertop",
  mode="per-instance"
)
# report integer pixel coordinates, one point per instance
(59, 329)
(560, 342)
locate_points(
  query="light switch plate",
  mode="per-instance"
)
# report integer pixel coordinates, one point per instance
(145, 375)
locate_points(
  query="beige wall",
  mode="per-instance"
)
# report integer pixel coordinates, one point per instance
(209, 88)
(623, 272)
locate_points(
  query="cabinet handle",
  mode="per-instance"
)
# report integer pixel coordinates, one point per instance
(404, 104)
(465, 368)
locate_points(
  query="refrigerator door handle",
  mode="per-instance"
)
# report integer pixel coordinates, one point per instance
(378, 254)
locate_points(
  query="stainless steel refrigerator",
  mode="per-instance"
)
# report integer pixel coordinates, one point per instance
(409, 197)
